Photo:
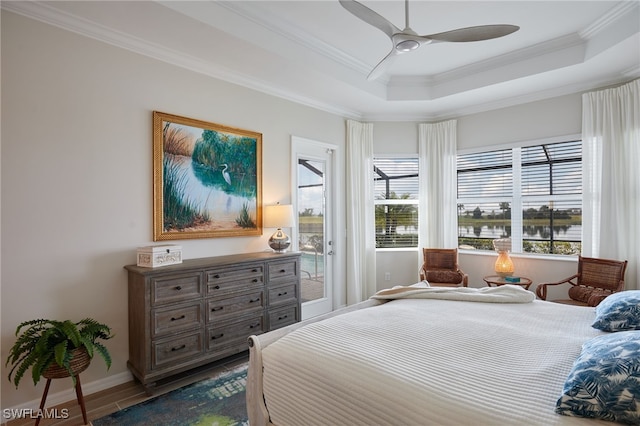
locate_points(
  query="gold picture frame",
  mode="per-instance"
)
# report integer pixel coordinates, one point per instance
(207, 179)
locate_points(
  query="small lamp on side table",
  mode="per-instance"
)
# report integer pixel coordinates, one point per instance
(504, 264)
(279, 216)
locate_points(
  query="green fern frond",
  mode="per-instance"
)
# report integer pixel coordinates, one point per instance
(22, 366)
(61, 353)
(87, 343)
(42, 362)
(104, 353)
(95, 330)
(71, 332)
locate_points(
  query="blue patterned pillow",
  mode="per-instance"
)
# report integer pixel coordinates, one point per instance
(605, 380)
(619, 311)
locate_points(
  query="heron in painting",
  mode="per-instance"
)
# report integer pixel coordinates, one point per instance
(225, 174)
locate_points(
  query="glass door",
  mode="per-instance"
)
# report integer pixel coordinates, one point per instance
(313, 204)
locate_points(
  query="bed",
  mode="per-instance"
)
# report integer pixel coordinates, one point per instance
(420, 356)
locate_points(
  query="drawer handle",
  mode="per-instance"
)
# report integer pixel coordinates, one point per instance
(254, 300)
(217, 308)
(216, 287)
(283, 317)
(254, 325)
(282, 294)
(282, 271)
(216, 276)
(179, 348)
(217, 337)
(254, 270)
(255, 280)
(178, 287)
(179, 318)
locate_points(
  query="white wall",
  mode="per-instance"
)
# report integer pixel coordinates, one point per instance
(550, 118)
(537, 120)
(77, 175)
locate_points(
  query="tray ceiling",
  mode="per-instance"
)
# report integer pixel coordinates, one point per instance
(318, 54)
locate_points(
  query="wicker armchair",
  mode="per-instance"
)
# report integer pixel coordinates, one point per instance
(440, 268)
(595, 280)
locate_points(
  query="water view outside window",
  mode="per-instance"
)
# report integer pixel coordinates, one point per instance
(396, 201)
(532, 195)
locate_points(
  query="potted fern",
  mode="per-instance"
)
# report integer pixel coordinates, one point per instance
(56, 349)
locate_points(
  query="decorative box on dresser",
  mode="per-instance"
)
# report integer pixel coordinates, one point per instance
(190, 314)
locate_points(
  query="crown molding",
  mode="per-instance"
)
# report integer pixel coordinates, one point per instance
(293, 32)
(42, 12)
(447, 114)
(610, 18)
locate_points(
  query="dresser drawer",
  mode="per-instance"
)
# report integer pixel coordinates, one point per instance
(176, 288)
(283, 317)
(221, 336)
(174, 319)
(281, 271)
(177, 349)
(218, 309)
(283, 294)
(229, 279)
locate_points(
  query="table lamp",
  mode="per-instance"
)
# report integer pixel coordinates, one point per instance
(279, 216)
(504, 264)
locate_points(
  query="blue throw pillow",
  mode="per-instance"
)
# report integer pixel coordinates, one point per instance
(605, 380)
(619, 311)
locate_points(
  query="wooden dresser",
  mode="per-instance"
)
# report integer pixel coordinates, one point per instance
(187, 315)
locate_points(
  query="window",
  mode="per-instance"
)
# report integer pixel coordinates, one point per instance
(531, 194)
(396, 201)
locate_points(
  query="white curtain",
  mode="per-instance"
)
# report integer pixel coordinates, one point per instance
(361, 239)
(611, 176)
(438, 183)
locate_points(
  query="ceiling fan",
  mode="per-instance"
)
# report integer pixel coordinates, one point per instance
(408, 40)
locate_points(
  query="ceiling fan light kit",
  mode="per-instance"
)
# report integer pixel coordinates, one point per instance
(408, 40)
(407, 45)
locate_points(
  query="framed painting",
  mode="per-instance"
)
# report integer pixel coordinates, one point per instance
(207, 179)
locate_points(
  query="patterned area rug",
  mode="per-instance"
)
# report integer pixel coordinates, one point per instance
(219, 401)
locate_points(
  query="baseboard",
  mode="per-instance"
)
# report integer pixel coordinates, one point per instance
(57, 398)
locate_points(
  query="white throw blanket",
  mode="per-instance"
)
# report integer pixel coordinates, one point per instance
(502, 294)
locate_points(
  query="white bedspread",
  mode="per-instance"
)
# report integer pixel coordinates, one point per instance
(428, 362)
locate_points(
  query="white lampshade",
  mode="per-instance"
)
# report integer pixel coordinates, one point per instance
(502, 244)
(278, 216)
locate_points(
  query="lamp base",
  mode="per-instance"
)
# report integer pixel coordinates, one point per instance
(504, 264)
(279, 241)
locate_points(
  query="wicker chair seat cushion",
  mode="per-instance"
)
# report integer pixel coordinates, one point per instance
(579, 293)
(437, 276)
(587, 295)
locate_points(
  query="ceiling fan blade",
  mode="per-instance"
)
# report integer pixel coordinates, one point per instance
(479, 33)
(370, 17)
(379, 69)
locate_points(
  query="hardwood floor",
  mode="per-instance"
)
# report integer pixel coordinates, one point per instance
(111, 400)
